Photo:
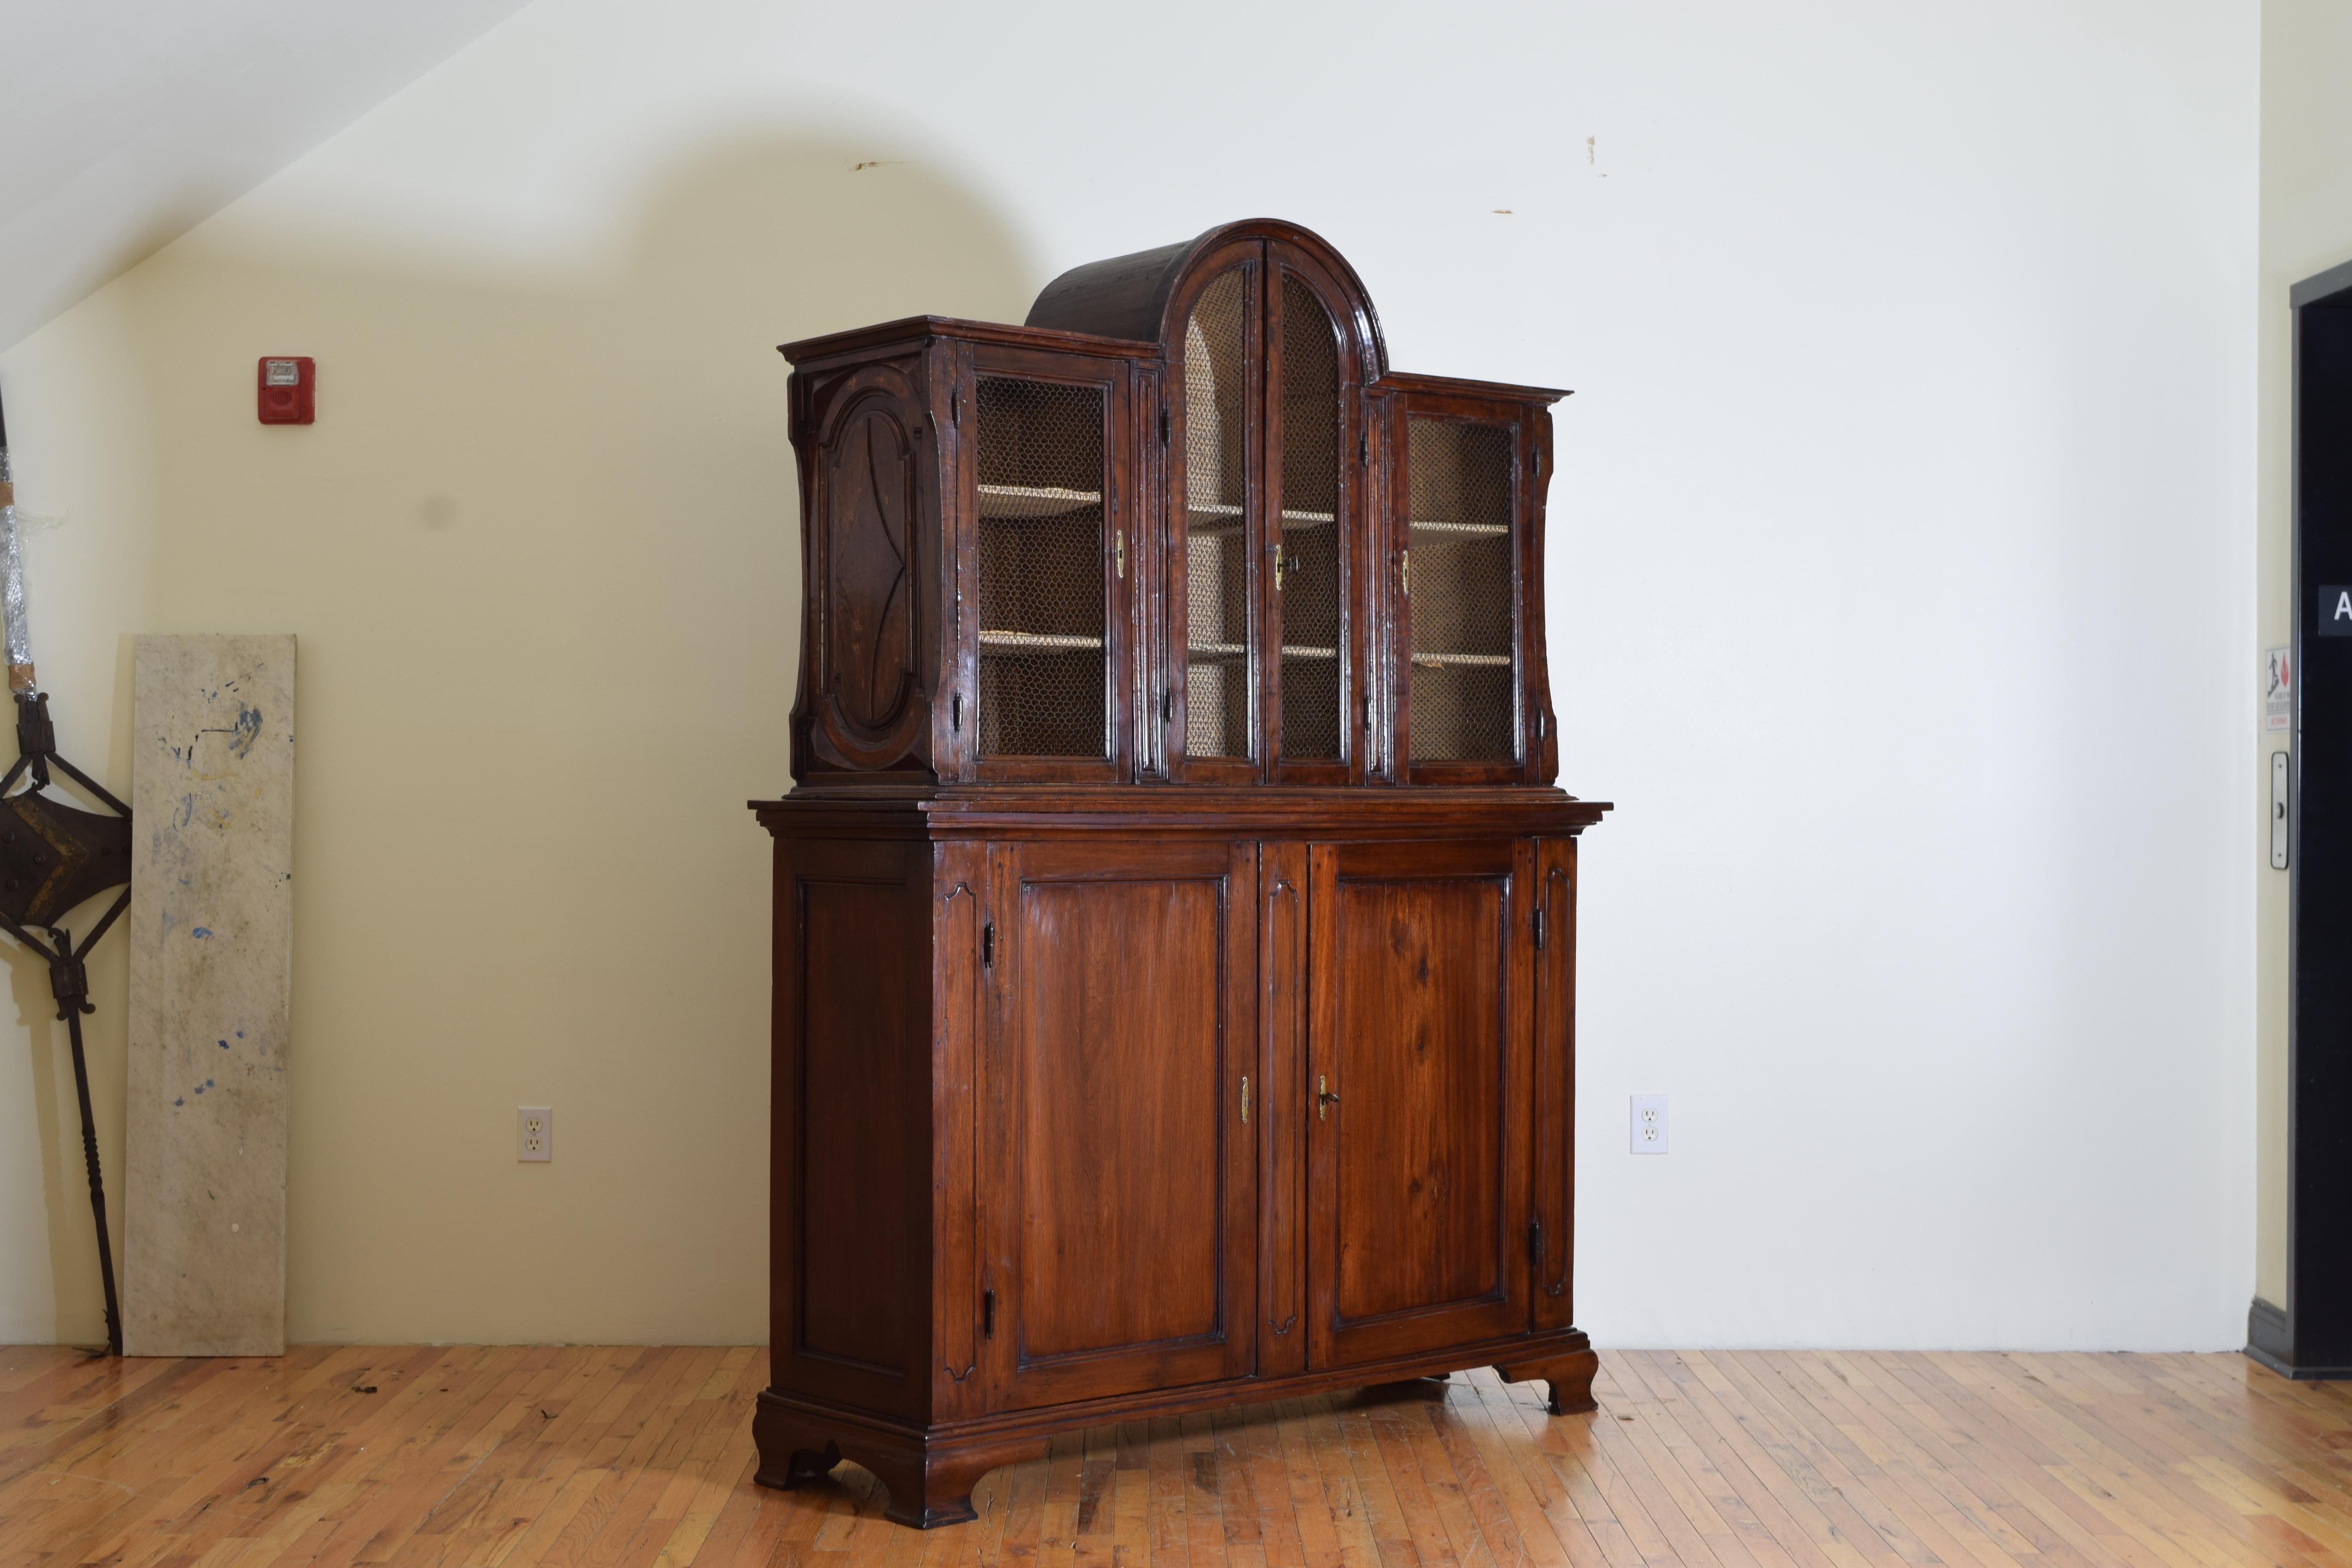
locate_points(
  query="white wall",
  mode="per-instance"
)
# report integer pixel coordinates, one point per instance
(1900, 588)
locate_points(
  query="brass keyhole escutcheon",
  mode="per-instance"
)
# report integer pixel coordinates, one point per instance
(1324, 1099)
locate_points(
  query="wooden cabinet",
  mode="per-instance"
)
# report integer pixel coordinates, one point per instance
(1175, 916)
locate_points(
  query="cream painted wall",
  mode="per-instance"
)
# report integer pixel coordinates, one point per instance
(1899, 584)
(2306, 228)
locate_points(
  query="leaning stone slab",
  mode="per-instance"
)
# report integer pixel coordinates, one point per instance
(212, 950)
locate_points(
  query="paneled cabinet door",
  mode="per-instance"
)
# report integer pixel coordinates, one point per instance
(1118, 1181)
(1421, 1035)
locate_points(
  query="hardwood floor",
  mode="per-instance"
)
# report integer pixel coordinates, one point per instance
(1753, 1460)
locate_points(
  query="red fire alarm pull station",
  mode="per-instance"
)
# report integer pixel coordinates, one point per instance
(288, 391)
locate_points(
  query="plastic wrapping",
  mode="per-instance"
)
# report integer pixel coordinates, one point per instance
(18, 638)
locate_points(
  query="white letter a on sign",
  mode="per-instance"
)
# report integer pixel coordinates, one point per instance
(2343, 606)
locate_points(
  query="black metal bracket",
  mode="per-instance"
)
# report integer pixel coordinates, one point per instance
(53, 858)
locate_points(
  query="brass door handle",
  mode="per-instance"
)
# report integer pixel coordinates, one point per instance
(1324, 1097)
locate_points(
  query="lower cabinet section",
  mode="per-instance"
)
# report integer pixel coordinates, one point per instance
(931, 1471)
(1077, 1127)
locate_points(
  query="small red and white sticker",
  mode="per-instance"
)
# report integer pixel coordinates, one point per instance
(2278, 690)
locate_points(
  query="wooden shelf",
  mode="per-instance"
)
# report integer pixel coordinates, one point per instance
(1220, 650)
(1036, 642)
(1228, 518)
(1033, 500)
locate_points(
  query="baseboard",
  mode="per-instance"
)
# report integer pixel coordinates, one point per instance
(2266, 1335)
(2270, 1344)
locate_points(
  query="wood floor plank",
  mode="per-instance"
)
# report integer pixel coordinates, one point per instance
(1795, 1523)
(1554, 1463)
(1549, 1536)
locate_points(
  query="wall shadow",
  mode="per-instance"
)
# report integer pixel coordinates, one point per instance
(541, 552)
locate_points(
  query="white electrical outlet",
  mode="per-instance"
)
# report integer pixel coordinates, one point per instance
(1649, 1129)
(534, 1132)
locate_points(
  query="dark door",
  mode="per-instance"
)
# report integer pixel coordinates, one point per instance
(1120, 1194)
(1421, 1036)
(2316, 1339)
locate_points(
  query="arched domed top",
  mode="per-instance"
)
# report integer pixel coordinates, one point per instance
(1135, 296)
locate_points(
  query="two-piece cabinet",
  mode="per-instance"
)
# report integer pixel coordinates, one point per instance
(1175, 919)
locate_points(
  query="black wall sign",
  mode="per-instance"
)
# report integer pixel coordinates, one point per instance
(2335, 612)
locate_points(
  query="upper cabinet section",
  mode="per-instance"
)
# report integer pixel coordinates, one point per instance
(1181, 526)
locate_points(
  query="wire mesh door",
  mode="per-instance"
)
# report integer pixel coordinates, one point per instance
(1308, 541)
(1044, 600)
(1217, 551)
(1458, 586)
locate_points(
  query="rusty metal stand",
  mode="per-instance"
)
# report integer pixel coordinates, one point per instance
(52, 858)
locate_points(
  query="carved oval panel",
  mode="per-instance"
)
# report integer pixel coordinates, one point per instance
(869, 519)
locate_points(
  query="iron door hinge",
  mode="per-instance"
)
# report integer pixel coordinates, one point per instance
(955, 408)
(988, 946)
(1539, 931)
(1535, 1242)
(1168, 707)
(1363, 447)
(1535, 460)
(1163, 426)
(955, 712)
(987, 1314)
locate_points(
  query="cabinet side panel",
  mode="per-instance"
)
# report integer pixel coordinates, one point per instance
(857, 1183)
(1555, 1086)
(870, 518)
(1543, 748)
